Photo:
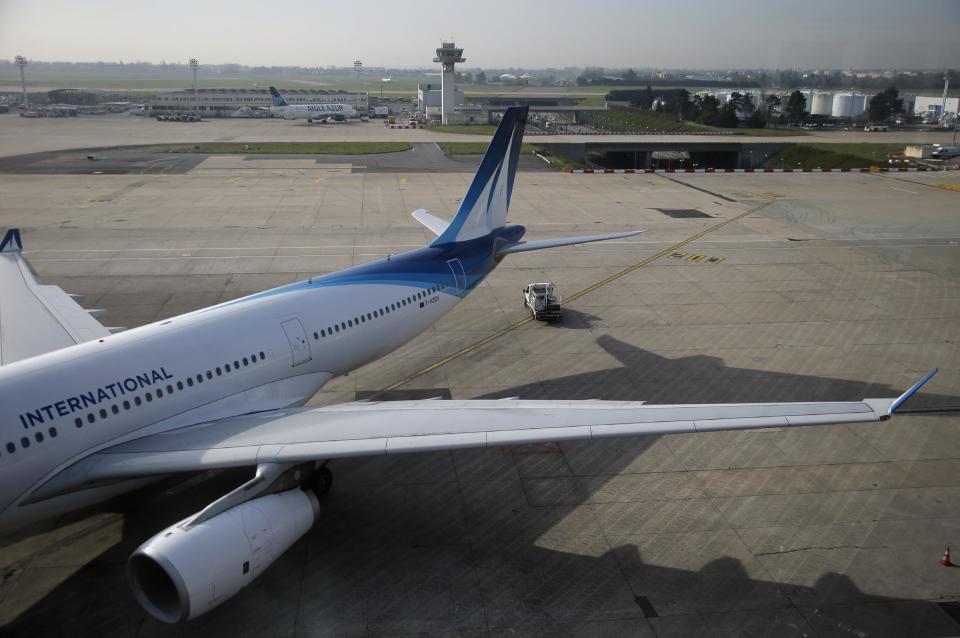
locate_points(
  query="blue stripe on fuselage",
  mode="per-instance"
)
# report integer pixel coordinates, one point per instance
(419, 268)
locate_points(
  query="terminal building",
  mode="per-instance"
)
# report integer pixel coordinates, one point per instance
(226, 102)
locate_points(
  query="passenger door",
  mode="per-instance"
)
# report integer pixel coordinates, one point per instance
(299, 346)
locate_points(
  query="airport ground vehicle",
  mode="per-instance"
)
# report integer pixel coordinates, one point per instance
(543, 300)
(945, 152)
(875, 128)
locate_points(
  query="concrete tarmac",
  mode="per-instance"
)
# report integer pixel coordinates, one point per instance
(840, 287)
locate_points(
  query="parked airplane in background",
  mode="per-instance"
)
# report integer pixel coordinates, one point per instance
(321, 112)
(87, 415)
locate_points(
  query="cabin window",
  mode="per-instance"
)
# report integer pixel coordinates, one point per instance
(24, 442)
(11, 448)
(137, 401)
(115, 409)
(226, 367)
(126, 405)
(179, 385)
(39, 437)
(103, 413)
(78, 422)
(53, 432)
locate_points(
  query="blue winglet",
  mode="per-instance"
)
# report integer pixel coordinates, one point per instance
(11, 242)
(909, 393)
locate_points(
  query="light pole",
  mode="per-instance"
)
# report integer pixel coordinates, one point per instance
(194, 65)
(357, 67)
(22, 62)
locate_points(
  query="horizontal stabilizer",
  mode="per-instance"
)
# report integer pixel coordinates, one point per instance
(435, 224)
(524, 246)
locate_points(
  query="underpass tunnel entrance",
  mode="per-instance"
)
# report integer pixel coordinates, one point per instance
(666, 159)
(621, 159)
(714, 159)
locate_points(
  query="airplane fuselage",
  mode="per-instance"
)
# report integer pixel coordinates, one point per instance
(314, 111)
(270, 350)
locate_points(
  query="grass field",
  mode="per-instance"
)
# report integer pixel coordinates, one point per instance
(770, 132)
(465, 129)
(621, 120)
(313, 148)
(833, 155)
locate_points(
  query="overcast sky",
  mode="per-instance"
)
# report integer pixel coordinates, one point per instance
(494, 33)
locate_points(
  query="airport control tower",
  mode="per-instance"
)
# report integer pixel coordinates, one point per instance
(447, 55)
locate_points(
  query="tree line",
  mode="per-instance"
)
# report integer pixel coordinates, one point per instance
(753, 111)
(778, 79)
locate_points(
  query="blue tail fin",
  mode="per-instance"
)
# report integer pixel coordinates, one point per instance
(11, 242)
(277, 98)
(485, 205)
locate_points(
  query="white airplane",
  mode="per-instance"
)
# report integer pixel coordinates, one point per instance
(321, 112)
(87, 414)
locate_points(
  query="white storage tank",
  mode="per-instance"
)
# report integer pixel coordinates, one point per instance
(822, 104)
(842, 105)
(848, 105)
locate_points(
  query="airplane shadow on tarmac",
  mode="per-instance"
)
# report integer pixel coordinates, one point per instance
(475, 542)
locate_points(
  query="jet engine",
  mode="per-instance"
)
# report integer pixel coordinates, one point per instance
(187, 570)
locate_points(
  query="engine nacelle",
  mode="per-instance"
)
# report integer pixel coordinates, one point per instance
(182, 573)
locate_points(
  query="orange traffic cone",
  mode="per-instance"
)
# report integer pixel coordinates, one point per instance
(945, 561)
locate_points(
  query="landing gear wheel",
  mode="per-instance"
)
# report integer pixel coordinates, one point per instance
(321, 481)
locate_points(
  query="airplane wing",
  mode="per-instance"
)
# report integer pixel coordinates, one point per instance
(398, 427)
(36, 318)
